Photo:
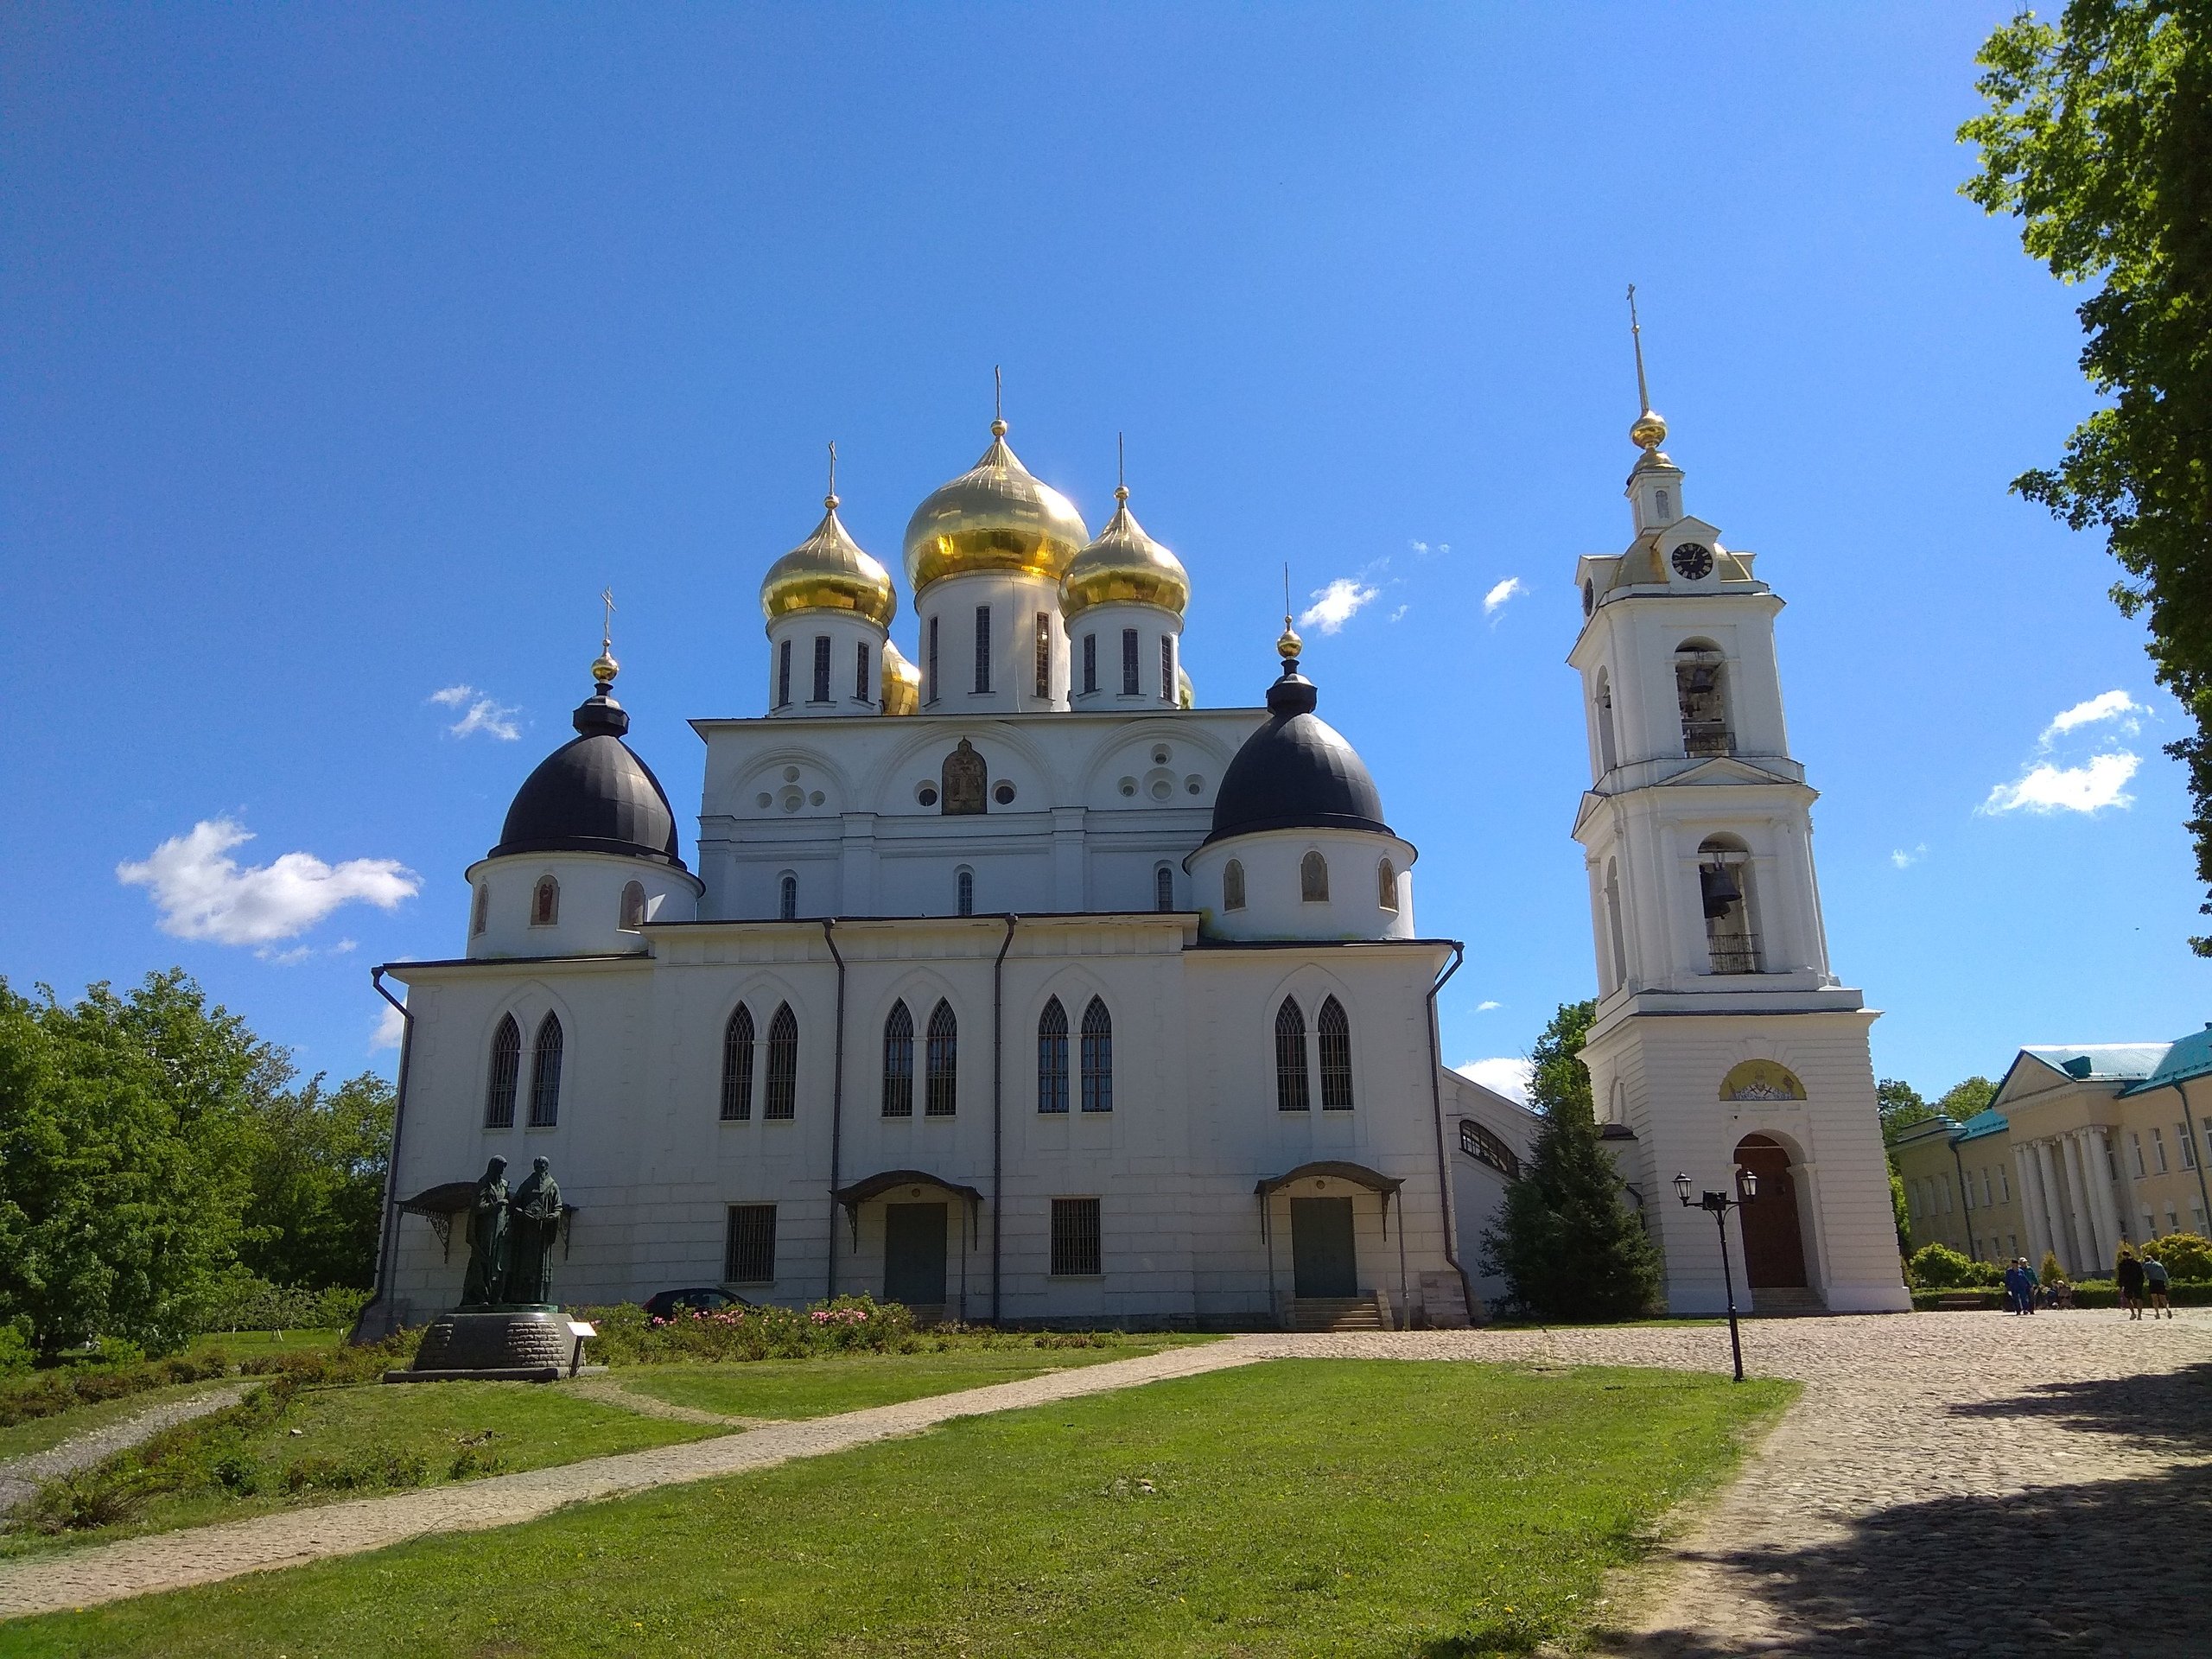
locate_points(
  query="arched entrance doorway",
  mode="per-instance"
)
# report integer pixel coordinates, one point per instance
(1774, 1248)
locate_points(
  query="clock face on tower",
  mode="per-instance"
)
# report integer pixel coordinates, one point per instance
(1692, 562)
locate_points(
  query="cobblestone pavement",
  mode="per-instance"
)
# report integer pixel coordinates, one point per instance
(20, 1478)
(1949, 1484)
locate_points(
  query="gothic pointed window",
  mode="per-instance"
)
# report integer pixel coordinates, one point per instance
(1314, 878)
(634, 905)
(942, 1084)
(545, 1074)
(781, 1099)
(899, 1062)
(506, 1077)
(787, 898)
(737, 1066)
(1163, 888)
(1052, 1057)
(1292, 1093)
(1701, 687)
(1098, 1058)
(1723, 879)
(1334, 1031)
(1386, 886)
(545, 902)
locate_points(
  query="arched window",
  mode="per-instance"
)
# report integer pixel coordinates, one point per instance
(1666, 501)
(782, 1097)
(1619, 965)
(506, 1075)
(1163, 888)
(1335, 1033)
(821, 669)
(479, 908)
(941, 1085)
(545, 1074)
(787, 897)
(1724, 879)
(1292, 1093)
(737, 1065)
(1314, 878)
(1386, 885)
(965, 883)
(899, 1062)
(1607, 758)
(545, 902)
(1097, 1058)
(1052, 1057)
(634, 905)
(1701, 687)
(1232, 885)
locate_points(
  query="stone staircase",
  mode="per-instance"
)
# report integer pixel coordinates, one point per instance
(1786, 1302)
(1337, 1313)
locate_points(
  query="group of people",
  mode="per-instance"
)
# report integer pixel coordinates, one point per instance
(2025, 1292)
(2138, 1279)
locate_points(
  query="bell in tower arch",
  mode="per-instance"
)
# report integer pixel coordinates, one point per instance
(1717, 883)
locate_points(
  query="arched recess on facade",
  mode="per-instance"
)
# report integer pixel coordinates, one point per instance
(1009, 755)
(817, 770)
(1130, 752)
(1780, 1248)
(1761, 1079)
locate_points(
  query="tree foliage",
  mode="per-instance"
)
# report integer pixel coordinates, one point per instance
(2098, 137)
(1901, 1107)
(1567, 1245)
(1962, 1100)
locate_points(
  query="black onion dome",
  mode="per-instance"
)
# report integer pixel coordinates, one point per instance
(1295, 773)
(593, 795)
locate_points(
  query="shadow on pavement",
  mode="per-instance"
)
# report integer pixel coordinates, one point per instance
(2171, 1409)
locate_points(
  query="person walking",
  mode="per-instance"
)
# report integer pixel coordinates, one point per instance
(2019, 1287)
(2154, 1281)
(2128, 1274)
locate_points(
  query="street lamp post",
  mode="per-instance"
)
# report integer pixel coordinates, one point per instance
(1719, 1203)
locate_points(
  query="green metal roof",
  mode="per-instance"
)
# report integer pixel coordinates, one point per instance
(2100, 1062)
(2190, 1057)
(1988, 1121)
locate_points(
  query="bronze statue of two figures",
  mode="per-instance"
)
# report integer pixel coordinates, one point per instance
(511, 1239)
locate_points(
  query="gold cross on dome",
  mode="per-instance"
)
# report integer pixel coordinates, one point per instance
(607, 633)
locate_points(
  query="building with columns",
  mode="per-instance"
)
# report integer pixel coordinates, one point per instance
(1723, 1041)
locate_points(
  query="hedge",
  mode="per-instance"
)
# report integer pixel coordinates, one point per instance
(2093, 1293)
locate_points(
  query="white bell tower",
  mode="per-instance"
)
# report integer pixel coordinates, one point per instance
(1722, 1042)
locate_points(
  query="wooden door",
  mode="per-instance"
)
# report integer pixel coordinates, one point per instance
(1774, 1249)
(913, 1254)
(1322, 1259)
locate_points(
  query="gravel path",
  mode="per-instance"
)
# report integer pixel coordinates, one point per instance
(20, 1478)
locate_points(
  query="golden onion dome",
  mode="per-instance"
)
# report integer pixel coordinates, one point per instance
(994, 517)
(829, 572)
(1186, 695)
(1124, 566)
(1647, 430)
(902, 683)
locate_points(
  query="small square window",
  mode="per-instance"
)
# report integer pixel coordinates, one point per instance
(1076, 1251)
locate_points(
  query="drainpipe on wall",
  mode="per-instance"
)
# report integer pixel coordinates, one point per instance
(1443, 1159)
(1965, 1211)
(386, 1242)
(836, 1099)
(998, 1124)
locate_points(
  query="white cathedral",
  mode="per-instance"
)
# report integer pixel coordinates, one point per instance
(1013, 986)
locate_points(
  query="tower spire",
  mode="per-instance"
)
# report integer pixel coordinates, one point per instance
(998, 403)
(1120, 468)
(829, 500)
(1648, 430)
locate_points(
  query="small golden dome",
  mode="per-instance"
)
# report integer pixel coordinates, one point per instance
(1124, 566)
(1289, 646)
(1647, 430)
(994, 517)
(1186, 695)
(902, 683)
(604, 668)
(829, 572)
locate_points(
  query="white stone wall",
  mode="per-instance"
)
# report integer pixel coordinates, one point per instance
(588, 917)
(1274, 904)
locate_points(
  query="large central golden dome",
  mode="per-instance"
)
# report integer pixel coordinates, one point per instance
(829, 572)
(1125, 566)
(993, 517)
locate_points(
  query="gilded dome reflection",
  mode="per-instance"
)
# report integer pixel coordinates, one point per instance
(829, 571)
(1124, 566)
(995, 516)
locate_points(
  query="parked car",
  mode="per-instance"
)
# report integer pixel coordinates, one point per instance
(704, 1298)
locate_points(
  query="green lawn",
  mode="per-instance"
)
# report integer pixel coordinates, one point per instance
(815, 1387)
(20, 1440)
(1295, 1508)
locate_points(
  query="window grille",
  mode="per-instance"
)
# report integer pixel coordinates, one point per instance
(1168, 669)
(821, 668)
(1314, 878)
(966, 889)
(899, 1062)
(1232, 886)
(1292, 1091)
(545, 1075)
(1052, 1057)
(1044, 653)
(737, 1066)
(787, 899)
(1097, 1058)
(506, 1075)
(782, 1099)
(1090, 662)
(1480, 1143)
(1076, 1245)
(480, 909)
(634, 905)
(750, 1256)
(929, 689)
(860, 673)
(1386, 882)
(1335, 1033)
(784, 675)
(982, 647)
(1128, 662)
(941, 1085)
(545, 902)
(1163, 888)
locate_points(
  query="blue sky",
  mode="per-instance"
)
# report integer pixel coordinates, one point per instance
(352, 350)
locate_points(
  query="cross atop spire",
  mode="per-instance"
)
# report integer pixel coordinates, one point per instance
(605, 668)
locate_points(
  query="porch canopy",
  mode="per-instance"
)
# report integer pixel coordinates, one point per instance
(1331, 1169)
(890, 1181)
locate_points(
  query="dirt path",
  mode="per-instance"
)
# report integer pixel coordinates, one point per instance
(608, 1392)
(20, 1478)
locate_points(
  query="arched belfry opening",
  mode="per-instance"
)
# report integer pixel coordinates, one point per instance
(1608, 753)
(1774, 1241)
(1702, 689)
(1724, 881)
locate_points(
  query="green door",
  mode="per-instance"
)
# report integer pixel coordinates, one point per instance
(1320, 1247)
(913, 1254)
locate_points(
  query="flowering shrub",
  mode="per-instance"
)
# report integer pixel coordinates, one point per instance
(848, 1323)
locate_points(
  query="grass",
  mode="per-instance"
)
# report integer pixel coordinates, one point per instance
(1297, 1508)
(244, 1345)
(816, 1387)
(21, 1440)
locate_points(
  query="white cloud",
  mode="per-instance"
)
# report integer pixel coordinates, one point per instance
(2112, 705)
(1508, 1076)
(203, 894)
(479, 713)
(1904, 859)
(1336, 604)
(2090, 788)
(389, 1027)
(1511, 587)
(1400, 612)
(1424, 549)
(1485, 1008)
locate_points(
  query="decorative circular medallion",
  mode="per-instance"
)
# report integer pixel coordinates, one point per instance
(1692, 561)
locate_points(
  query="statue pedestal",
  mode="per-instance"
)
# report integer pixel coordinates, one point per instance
(495, 1344)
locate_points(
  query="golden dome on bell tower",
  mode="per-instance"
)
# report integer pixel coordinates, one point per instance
(995, 516)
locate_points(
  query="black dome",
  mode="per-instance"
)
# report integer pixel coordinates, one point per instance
(592, 795)
(1295, 773)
